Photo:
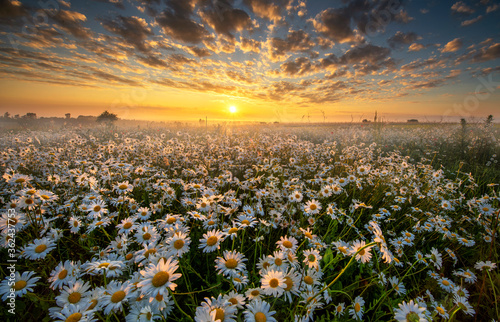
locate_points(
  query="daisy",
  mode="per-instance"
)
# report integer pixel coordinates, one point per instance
(27, 202)
(295, 196)
(126, 226)
(115, 296)
(107, 267)
(259, 311)
(204, 314)
(160, 303)
(273, 283)
(38, 249)
(235, 299)
(143, 213)
(312, 258)
(440, 309)
(123, 187)
(485, 265)
(178, 244)
(436, 258)
(211, 240)
(292, 281)
(79, 312)
(245, 220)
(312, 207)
(146, 235)
(96, 209)
(363, 255)
(342, 247)
(231, 231)
(141, 314)
(156, 278)
(468, 276)
(357, 308)
(339, 309)
(224, 310)
(74, 293)
(231, 264)
(12, 220)
(62, 275)
(203, 205)
(397, 286)
(409, 312)
(240, 280)
(21, 283)
(311, 278)
(287, 244)
(464, 304)
(254, 293)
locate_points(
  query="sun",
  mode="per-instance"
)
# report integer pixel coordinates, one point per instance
(232, 109)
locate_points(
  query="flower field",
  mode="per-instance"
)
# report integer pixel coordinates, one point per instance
(267, 223)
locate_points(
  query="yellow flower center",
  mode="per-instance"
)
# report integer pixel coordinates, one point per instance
(357, 307)
(118, 296)
(308, 280)
(231, 263)
(219, 314)
(97, 208)
(103, 265)
(260, 317)
(62, 274)
(278, 261)
(45, 197)
(122, 186)
(289, 283)
(287, 244)
(311, 258)
(274, 283)
(74, 297)
(93, 304)
(178, 244)
(149, 252)
(171, 220)
(212, 240)
(146, 236)
(160, 279)
(40, 248)
(312, 206)
(19, 285)
(127, 225)
(232, 230)
(245, 221)
(255, 293)
(446, 283)
(74, 317)
(361, 252)
(233, 301)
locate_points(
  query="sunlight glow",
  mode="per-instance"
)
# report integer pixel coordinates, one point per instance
(232, 109)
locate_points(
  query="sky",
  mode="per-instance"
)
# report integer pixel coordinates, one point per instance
(274, 61)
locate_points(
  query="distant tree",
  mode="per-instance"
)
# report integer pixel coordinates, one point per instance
(68, 115)
(31, 116)
(489, 119)
(107, 117)
(6, 115)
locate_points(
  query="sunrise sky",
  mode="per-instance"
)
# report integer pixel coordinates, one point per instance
(285, 60)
